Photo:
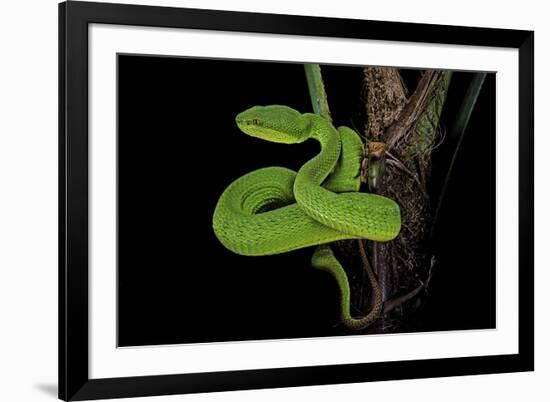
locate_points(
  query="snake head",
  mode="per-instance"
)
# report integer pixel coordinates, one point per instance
(275, 123)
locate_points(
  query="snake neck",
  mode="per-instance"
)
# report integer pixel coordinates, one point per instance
(316, 170)
(307, 186)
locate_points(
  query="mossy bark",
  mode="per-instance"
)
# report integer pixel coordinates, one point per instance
(409, 128)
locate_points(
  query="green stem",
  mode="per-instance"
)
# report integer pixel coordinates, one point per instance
(317, 91)
(458, 130)
(467, 106)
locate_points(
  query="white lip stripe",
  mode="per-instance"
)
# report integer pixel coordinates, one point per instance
(108, 361)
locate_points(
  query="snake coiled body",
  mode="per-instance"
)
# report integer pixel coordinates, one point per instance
(275, 210)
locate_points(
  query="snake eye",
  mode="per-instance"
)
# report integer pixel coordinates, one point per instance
(256, 122)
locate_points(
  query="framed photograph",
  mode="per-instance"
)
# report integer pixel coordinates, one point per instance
(256, 200)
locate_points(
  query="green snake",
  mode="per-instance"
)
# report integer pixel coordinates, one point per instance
(276, 210)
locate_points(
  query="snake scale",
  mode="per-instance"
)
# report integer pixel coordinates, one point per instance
(276, 210)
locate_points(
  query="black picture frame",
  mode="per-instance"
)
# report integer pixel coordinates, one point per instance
(74, 380)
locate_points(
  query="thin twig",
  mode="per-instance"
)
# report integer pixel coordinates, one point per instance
(396, 302)
(377, 290)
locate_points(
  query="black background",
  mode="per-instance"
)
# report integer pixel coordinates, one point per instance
(179, 149)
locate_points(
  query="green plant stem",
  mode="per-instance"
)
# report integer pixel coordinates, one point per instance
(467, 106)
(317, 91)
(457, 131)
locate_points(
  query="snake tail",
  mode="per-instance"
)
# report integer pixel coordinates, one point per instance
(323, 258)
